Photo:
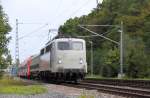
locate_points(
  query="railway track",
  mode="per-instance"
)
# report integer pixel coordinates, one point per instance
(127, 88)
(143, 84)
(117, 90)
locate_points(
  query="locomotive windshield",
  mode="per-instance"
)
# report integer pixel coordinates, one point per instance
(63, 46)
(70, 45)
(77, 46)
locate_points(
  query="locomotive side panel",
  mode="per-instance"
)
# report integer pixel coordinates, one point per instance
(46, 58)
(53, 57)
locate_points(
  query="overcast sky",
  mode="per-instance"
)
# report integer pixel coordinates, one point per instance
(46, 14)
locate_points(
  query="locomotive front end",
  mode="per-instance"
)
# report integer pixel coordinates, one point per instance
(71, 58)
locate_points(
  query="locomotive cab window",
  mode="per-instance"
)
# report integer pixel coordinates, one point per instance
(77, 46)
(63, 46)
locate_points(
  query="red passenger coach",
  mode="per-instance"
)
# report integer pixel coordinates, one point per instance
(24, 68)
(28, 67)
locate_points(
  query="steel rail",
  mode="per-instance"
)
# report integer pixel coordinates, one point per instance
(117, 90)
(141, 84)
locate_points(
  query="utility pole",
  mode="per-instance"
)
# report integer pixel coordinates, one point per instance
(17, 46)
(91, 57)
(121, 50)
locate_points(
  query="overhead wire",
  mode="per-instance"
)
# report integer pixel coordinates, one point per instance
(29, 34)
(58, 7)
(79, 8)
(62, 14)
(56, 16)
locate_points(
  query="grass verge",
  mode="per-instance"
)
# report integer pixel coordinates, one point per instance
(8, 85)
(25, 90)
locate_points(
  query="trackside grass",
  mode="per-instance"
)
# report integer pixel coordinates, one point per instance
(8, 85)
(25, 90)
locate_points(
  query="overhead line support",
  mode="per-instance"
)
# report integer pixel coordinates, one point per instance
(100, 35)
(17, 46)
(118, 43)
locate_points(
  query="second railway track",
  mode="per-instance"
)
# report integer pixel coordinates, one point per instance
(130, 89)
(143, 84)
(117, 90)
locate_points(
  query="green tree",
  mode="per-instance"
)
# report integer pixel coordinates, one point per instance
(136, 58)
(4, 39)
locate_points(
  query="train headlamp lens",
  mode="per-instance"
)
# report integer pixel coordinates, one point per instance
(81, 61)
(59, 61)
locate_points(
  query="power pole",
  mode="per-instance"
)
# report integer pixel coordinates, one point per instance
(91, 57)
(121, 50)
(17, 45)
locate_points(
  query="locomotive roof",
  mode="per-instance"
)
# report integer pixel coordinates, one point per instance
(64, 39)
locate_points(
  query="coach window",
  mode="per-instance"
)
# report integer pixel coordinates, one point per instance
(42, 52)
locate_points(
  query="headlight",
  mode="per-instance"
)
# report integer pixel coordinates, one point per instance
(59, 61)
(81, 61)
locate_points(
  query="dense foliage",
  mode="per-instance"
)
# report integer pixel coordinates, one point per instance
(135, 15)
(5, 58)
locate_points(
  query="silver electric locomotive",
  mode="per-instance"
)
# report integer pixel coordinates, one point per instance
(61, 59)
